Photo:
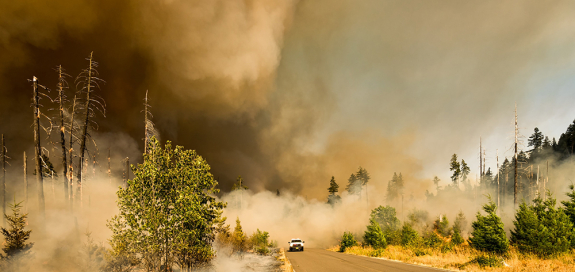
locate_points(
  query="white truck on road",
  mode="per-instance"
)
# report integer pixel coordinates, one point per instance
(296, 244)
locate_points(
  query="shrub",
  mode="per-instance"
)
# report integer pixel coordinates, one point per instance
(488, 234)
(377, 253)
(456, 239)
(541, 228)
(409, 236)
(420, 252)
(441, 225)
(347, 240)
(487, 260)
(431, 239)
(374, 236)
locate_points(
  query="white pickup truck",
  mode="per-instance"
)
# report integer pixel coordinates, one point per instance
(296, 244)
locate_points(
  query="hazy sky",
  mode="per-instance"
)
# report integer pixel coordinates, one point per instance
(289, 93)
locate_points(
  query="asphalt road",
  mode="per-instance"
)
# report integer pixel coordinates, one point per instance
(320, 260)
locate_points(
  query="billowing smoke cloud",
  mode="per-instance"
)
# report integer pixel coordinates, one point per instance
(289, 93)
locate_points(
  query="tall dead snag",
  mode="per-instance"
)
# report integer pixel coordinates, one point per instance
(37, 148)
(3, 154)
(149, 127)
(88, 81)
(71, 155)
(25, 182)
(62, 84)
(516, 162)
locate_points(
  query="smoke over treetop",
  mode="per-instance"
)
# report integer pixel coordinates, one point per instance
(289, 93)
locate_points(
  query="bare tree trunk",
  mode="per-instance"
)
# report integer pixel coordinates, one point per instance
(25, 182)
(516, 162)
(127, 172)
(109, 168)
(3, 154)
(498, 188)
(62, 131)
(70, 153)
(86, 123)
(38, 150)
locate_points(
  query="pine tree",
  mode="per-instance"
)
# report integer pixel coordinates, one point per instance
(15, 248)
(436, 181)
(332, 198)
(239, 238)
(536, 140)
(441, 225)
(570, 205)
(460, 223)
(409, 235)
(333, 187)
(488, 233)
(542, 228)
(454, 166)
(353, 185)
(374, 236)
(347, 240)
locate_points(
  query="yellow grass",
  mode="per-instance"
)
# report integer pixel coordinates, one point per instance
(459, 259)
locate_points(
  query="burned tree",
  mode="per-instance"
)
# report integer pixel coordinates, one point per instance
(3, 154)
(149, 127)
(88, 82)
(71, 153)
(62, 84)
(37, 147)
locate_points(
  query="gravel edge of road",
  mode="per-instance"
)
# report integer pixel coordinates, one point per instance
(286, 266)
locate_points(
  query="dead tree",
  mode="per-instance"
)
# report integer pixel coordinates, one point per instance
(88, 81)
(62, 84)
(25, 182)
(38, 148)
(126, 175)
(71, 155)
(149, 127)
(3, 154)
(516, 163)
(109, 168)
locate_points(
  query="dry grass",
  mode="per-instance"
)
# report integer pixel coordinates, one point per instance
(286, 265)
(460, 259)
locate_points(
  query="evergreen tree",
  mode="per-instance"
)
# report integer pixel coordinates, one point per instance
(168, 214)
(460, 223)
(488, 233)
(464, 171)
(347, 240)
(374, 236)
(535, 140)
(333, 187)
(409, 236)
(455, 167)
(239, 184)
(436, 181)
(395, 187)
(456, 238)
(542, 228)
(239, 238)
(570, 205)
(354, 185)
(15, 248)
(441, 225)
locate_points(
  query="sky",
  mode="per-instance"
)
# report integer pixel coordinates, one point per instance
(289, 93)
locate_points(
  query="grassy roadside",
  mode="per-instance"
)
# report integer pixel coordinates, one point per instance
(464, 258)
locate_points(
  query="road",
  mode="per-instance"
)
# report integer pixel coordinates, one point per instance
(320, 260)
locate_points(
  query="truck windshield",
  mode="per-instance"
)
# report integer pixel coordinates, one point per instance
(296, 241)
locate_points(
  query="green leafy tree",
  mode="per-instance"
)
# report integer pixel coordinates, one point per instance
(374, 236)
(347, 240)
(455, 167)
(167, 212)
(488, 233)
(15, 247)
(387, 219)
(542, 228)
